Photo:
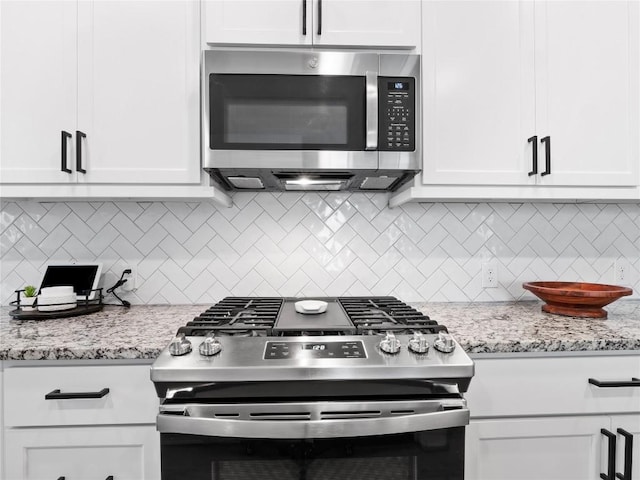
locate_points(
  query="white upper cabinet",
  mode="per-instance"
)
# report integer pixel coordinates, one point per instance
(506, 82)
(479, 92)
(258, 22)
(38, 86)
(587, 91)
(362, 23)
(111, 88)
(138, 91)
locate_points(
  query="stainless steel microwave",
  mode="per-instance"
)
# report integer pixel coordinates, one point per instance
(311, 120)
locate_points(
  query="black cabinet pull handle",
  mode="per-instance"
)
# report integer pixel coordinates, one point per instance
(61, 478)
(319, 17)
(304, 17)
(63, 155)
(57, 395)
(547, 155)
(110, 477)
(628, 453)
(611, 456)
(534, 150)
(635, 382)
(79, 137)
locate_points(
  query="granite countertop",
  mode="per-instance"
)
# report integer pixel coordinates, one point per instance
(141, 332)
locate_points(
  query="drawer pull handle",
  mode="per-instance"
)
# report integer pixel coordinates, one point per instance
(635, 382)
(57, 395)
(611, 456)
(628, 452)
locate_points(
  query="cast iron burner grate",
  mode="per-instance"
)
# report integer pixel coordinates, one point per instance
(376, 315)
(238, 316)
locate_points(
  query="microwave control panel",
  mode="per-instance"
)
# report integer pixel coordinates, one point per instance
(396, 114)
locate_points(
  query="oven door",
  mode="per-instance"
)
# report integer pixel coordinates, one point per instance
(408, 440)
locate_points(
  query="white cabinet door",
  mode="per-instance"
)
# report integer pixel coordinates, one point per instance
(89, 453)
(367, 23)
(276, 22)
(587, 91)
(138, 91)
(560, 448)
(497, 73)
(38, 86)
(479, 92)
(630, 424)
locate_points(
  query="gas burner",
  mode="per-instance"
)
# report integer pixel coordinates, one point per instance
(385, 314)
(237, 316)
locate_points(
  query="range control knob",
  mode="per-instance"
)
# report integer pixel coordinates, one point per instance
(179, 345)
(390, 344)
(418, 343)
(210, 346)
(444, 343)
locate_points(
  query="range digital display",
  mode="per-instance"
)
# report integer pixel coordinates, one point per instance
(289, 350)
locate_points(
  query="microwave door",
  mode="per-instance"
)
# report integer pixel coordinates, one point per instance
(287, 112)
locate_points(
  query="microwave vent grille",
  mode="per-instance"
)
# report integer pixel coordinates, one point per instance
(377, 183)
(253, 183)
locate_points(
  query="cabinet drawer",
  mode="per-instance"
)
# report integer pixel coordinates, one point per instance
(553, 386)
(131, 397)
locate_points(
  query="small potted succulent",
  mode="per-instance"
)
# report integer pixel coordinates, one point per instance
(27, 297)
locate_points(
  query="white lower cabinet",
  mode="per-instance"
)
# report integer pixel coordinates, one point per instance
(564, 448)
(631, 425)
(83, 453)
(540, 418)
(79, 422)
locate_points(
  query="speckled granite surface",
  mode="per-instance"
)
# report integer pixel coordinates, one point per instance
(143, 331)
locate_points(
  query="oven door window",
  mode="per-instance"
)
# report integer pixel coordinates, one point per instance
(430, 455)
(287, 112)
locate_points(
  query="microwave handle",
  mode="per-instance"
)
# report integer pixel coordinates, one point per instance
(372, 111)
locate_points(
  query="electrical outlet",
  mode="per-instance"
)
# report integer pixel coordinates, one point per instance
(132, 279)
(489, 275)
(620, 271)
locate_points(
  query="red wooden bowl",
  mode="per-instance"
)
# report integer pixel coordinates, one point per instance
(576, 299)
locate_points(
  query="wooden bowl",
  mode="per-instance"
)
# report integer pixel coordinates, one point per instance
(576, 299)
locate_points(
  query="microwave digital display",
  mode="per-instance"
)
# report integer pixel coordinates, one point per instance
(401, 86)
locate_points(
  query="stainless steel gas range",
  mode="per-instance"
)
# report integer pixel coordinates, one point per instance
(289, 388)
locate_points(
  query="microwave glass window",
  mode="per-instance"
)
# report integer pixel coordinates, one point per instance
(287, 112)
(294, 122)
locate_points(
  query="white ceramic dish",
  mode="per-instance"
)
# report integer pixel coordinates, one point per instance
(311, 306)
(56, 291)
(53, 303)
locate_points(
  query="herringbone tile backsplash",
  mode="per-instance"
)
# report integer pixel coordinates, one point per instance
(289, 244)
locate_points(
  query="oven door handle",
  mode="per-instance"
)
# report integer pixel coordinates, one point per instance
(298, 429)
(371, 111)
